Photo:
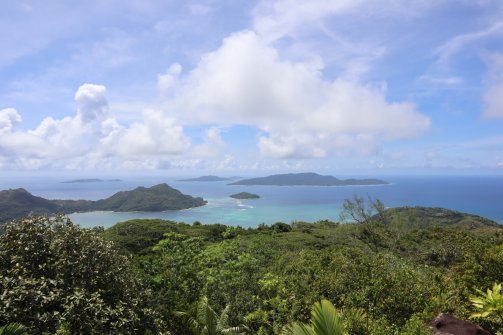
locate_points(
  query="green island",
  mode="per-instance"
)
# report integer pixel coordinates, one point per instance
(87, 180)
(306, 179)
(16, 203)
(245, 195)
(90, 180)
(384, 271)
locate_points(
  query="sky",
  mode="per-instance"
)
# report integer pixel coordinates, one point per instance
(228, 86)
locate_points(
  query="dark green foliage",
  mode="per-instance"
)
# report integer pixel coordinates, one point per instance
(441, 217)
(244, 195)
(13, 329)
(18, 203)
(156, 198)
(389, 274)
(281, 227)
(53, 273)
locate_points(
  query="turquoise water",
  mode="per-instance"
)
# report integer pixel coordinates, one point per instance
(481, 195)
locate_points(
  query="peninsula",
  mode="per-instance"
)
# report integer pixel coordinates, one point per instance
(307, 179)
(16, 203)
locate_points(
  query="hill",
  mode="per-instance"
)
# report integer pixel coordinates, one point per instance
(439, 217)
(205, 178)
(244, 195)
(154, 199)
(306, 179)
(16, 203)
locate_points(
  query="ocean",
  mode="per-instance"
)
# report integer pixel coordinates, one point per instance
(481, 195)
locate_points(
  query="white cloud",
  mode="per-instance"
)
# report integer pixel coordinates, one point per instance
(300, 113)
(493, 95)
(92, 102)
(9, 118)
(212, 144)
(91, 138)
(155, 135)
(167, 81)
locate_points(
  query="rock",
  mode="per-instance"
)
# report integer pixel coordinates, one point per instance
(445, 324)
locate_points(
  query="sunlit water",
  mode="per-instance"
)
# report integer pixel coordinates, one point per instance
(478, 195)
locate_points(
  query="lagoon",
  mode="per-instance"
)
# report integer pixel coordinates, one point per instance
(481, 195)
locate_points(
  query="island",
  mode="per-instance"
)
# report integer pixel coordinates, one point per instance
(89, 180)
(206, 178)
(16, 203)
(244, 195)
(306, 179)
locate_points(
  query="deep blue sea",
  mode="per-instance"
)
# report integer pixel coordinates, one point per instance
(482, 195)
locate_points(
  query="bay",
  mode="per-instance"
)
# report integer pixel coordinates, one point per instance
(481, 195)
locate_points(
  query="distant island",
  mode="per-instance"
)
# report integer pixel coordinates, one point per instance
(307, 179)
(206, 178)
(245, 195)
(16, 203)
(89, 180)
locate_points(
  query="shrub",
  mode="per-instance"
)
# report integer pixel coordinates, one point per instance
(54, 274)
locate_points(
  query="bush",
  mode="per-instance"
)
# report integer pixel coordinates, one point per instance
(54, 275)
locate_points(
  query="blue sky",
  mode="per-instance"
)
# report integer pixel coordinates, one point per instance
(342, 86)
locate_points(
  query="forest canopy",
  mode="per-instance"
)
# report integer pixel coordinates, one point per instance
(390, 274)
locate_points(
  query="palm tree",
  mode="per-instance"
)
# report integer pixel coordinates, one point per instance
(208, 322)
(488, 303)
(325, 320)
(13, 329)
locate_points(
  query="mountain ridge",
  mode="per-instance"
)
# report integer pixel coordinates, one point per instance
(16, 203)
(307, 179)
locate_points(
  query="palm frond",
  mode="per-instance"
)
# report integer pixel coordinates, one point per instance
(326, 320)
(13, 329)
(207, 316)
(298, 329)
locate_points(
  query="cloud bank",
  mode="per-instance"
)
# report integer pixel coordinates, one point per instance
(298, 112)
(91, 138)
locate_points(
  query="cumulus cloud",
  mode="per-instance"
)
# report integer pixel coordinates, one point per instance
(300, 113)
(156, 134)
(9, 118)
(92, 102)
(90, 138)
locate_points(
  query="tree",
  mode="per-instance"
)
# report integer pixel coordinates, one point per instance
(208, 322)
(325, 320)
(54, 273)
(360, 211)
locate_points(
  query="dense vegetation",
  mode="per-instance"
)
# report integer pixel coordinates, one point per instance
(16, 203)
(245, 195)
(390, 274)
(308, 178)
